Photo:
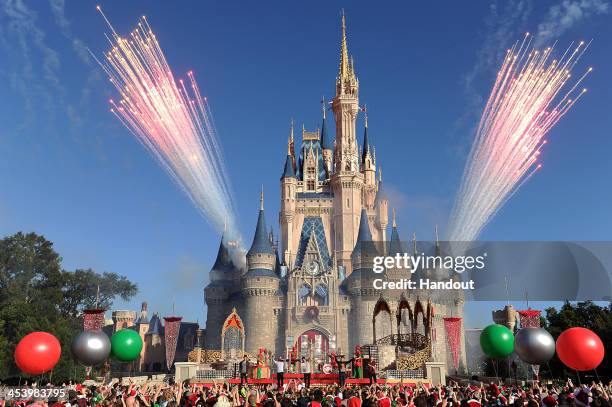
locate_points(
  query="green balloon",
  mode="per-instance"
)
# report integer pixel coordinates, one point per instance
(126, 345)
(497, 341)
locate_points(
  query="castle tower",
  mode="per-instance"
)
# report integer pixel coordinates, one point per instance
(260, 291)
(381, 207)
(347, 181)
(123, 319)
(359, 285)
(288, 184)
(368, 168)
(327, 144)
(217, 292)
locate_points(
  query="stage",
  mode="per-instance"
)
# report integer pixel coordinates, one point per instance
(317, 379)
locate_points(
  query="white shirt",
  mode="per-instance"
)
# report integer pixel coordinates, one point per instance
(305, 367)
(280, 366)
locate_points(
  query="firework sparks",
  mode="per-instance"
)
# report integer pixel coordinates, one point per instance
(531, 94)
(171, 119)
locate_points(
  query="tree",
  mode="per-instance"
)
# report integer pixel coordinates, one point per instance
(88, 289)
(36, 294)
(588, 315)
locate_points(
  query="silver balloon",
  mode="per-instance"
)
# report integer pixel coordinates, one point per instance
(534, 345)
(91, 347)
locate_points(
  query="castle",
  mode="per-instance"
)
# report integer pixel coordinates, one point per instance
(309, 291)
(152, 358)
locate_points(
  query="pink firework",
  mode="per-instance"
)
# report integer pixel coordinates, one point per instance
(531, 94)
(171, 119)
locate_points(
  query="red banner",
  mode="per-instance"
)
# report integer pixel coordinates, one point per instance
(171, 333)
(452, 326)
(93, 319)
(530, 318)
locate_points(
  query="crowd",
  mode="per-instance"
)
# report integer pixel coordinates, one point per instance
(294, 393)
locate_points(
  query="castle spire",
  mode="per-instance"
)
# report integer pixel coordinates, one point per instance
(344, 56)
(326, 142)
(261, 199)
(290, 140)
(395, 245)
(393, 224)
(261, 243)
(366, 141)
(323, 108)
(438, 251)
(288, 171)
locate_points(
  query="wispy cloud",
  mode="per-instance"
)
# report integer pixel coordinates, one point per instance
(504, 23)
(21, 31)
(562, 17)
(58, 8)
(188, 275)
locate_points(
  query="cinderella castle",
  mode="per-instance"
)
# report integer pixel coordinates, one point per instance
(309, 292)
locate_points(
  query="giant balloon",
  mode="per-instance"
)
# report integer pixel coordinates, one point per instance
(534, 345)
(580, 349)
(91, 347)
(126, 345)
(497, 341)
(37, 353)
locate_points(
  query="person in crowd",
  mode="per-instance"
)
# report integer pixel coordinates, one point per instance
(295, 393)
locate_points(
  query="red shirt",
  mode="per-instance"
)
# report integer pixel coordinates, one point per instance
(354, 402)
(384, 402)
(473, 403)
(315, 403)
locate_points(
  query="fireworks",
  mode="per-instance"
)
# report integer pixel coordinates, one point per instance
(171, 119)
(531, 94)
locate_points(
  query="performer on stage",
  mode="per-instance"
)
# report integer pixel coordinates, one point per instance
(280, 372)
(305, 368)
(357, 363)
(243, 368)
(342, 372)
(372, 372)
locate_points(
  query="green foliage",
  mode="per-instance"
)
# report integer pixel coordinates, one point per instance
(37, 295)
(584, 314)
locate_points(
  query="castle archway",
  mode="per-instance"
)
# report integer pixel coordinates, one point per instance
(232, 336)
(314, 344)
(382, 324)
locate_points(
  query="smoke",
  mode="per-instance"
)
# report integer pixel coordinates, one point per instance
(562, 17)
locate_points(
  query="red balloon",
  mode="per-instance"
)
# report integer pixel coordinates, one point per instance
(580, 349)
(37, 353)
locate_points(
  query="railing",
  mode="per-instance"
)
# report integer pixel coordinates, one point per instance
(405, 374)
(214, 374)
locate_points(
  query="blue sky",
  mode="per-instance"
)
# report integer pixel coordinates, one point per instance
(68, 169)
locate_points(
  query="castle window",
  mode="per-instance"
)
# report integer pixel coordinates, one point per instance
(310, 185)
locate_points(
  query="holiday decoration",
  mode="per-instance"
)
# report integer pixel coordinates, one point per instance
(452, 327)
(497, 341)
(311, 313)
(580, 349)
(126, 345)
(530, 318)
(93, 319)
(91, 348)
(534, 345)
(171, 331)
(37, 353)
